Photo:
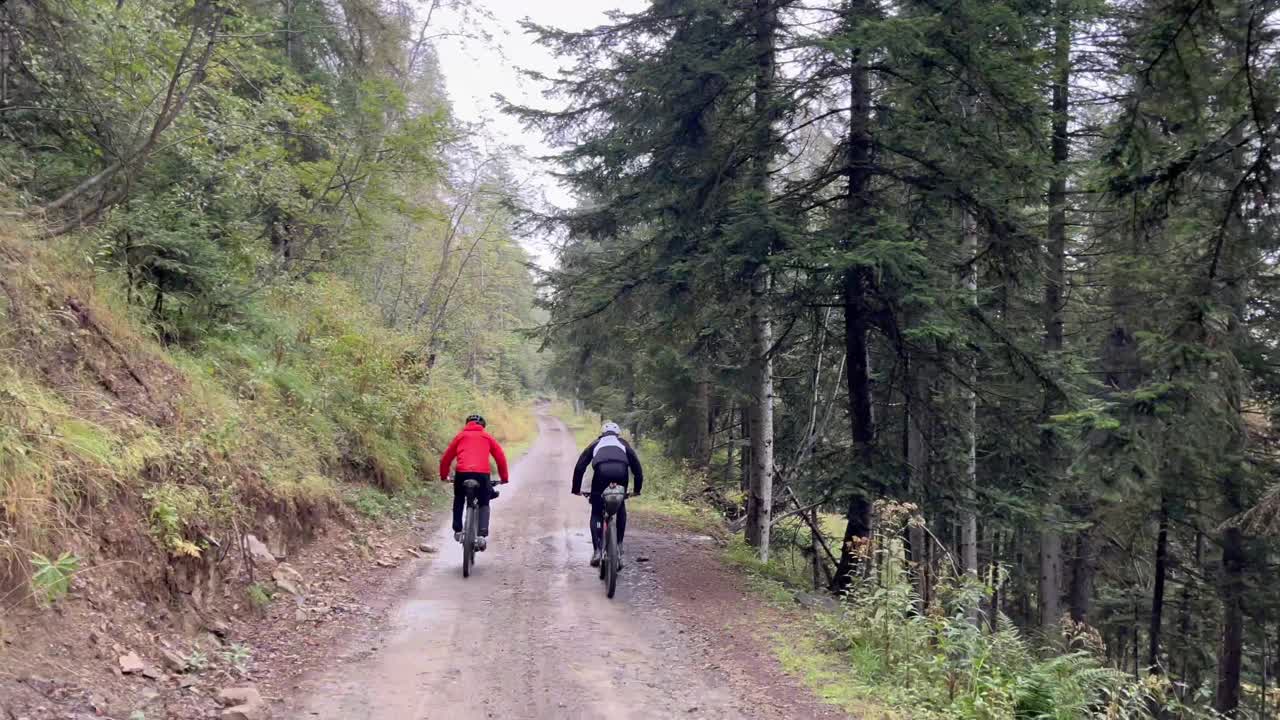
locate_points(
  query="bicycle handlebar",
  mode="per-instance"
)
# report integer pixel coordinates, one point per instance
(493, 481)
(587, 495)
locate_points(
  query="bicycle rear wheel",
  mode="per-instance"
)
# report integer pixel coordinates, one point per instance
(611, 559)
(604, 557)
(469, 541)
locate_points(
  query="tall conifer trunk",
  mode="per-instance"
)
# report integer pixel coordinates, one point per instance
(1055, 263)
(1237, 261)
(855, 292)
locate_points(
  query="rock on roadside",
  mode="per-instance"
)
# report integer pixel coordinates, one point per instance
(242, 703)
(245, 712)
(174, 661)
(259, 552)
(131, 664)
(289, 579)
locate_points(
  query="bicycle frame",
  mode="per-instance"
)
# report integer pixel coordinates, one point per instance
(471, 486)
(612, 500)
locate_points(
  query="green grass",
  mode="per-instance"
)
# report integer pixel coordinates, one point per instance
(686, 515)
(804, 655)
(777, 582)
(585, 429)
(376, 503)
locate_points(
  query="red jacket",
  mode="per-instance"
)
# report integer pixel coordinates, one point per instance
(472, 448)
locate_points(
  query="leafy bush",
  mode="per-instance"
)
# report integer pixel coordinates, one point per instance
(937, 662)
(197, 661)
(173, 507)
(51, 580)
(239, 657)
(259, 595)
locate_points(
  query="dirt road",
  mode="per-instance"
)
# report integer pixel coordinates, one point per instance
(530, 634)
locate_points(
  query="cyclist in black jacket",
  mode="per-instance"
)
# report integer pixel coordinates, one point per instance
(613, 460)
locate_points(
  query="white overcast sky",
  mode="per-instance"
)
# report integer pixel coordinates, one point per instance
(476, 70)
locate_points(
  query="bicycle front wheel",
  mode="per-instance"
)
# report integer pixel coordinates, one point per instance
(611, 559)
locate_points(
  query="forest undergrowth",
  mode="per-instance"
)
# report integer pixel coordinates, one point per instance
(880, 650)
(303, 409)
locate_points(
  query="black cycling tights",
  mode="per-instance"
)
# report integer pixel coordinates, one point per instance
(460, 501)
(597, 522)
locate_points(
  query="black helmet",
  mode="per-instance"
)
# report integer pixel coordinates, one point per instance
(479, 419)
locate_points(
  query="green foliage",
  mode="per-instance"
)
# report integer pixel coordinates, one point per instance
(197, 661)
(1035, 232)
(175, 509)
(52, 458)
(51, 579)
(259, 595)
(934, 661)
(239, 657)
(266, 239)
(377, 504)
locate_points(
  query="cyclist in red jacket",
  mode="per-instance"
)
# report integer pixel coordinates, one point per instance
(472, 448)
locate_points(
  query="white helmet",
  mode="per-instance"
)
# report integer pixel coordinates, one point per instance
(610, 427)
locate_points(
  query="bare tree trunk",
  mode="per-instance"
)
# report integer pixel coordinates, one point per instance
(917, 455)
(745, 412)
(731, 442)
(695, 443)
(1266, 667)
(1231, 589)
(760, 499)
(1137, 661)
(969, 399)
(457, 216)
(1157, 591)
(1185, 631)
(1081, 593)
(1050, 583)
(815, 549)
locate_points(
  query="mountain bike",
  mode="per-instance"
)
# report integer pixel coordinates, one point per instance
(471, 521)
(612, 497)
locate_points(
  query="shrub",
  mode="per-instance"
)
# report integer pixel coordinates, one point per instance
(936, 661)
(51, 580)
(259, 595)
